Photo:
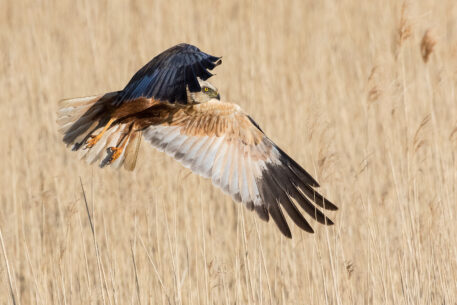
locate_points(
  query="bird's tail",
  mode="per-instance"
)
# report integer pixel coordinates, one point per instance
(88, 127)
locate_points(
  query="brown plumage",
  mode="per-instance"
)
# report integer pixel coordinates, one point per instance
(83, 120)
(219, 141)
(216, 140)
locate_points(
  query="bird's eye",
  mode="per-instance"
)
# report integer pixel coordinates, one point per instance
(206, 89)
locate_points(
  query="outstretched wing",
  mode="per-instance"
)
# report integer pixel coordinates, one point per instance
(218, 141)
(168, 74)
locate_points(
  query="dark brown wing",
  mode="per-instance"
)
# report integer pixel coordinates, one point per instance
(167, 75)
(218, 141)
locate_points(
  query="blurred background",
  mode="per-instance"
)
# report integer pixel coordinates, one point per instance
(361, 93)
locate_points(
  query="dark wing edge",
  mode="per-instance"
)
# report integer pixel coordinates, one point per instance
(167, 75)
(243, 162)
(283, 180)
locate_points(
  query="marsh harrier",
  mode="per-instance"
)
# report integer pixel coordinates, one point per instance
(170, 102)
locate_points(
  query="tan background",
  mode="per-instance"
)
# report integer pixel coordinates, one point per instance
(340, 85)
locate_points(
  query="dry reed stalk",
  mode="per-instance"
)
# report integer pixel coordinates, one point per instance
(374, 91)
(136, 274)
(101, 271)
(428, 42)
(10, 282)
(405, 28)
(418, 140)
(393, 238)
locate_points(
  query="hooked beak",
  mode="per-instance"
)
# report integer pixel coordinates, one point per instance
(218, 96)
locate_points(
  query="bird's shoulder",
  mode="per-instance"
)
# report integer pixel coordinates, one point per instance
(217, 118)
(214, 107)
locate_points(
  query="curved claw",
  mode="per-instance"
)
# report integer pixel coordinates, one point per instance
(94, 139)
(114, 153)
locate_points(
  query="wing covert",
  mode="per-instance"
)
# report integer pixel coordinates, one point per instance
(218, 141)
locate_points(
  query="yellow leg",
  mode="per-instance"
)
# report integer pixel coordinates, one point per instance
(117, 151)
(91, 142)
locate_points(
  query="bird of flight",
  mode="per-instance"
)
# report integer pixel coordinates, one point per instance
(170, 102)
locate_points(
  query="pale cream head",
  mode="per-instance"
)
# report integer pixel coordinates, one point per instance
(207, 93)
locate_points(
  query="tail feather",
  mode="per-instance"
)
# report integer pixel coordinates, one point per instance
(78, 116)
(68, 114)
(131, 151)
(109, 139)
(81, 118)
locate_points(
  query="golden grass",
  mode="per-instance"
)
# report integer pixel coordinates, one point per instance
(340, 85)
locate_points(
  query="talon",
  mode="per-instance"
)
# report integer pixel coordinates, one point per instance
(94, 139)
(114, 153)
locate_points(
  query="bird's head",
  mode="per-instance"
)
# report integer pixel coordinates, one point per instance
(207, 93)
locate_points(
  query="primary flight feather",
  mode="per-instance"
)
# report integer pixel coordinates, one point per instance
(171, 104)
